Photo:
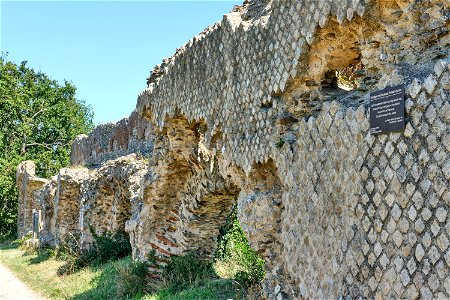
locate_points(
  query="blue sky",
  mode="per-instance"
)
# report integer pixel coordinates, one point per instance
(106, 48)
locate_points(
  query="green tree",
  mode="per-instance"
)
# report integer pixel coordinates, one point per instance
(39, 118)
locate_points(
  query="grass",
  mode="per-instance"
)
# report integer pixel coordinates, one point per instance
(106, 271)
(39, 272)
(106, 247)
(213, 290)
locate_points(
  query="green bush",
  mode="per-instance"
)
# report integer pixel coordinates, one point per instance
(242, 262)
(70, 251)
(187, 271)
(179, 274)
(106, 247)
(110, 247)
(132, 280)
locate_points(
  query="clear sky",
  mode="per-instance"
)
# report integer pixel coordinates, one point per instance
(106, 48)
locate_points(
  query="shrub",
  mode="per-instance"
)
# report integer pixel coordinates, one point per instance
(187, 271)
(132, 280)
(106, 247)
(71, 252)
(180, 273)
(240, 260)
(110, 247)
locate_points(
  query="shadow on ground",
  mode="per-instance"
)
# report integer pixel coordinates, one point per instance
(105, 285)
(41, 256)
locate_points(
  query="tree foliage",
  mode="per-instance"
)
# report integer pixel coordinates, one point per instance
(39, 118)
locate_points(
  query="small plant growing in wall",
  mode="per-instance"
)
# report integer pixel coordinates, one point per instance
(280, 143)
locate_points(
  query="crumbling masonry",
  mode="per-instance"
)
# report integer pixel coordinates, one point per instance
(248, 112)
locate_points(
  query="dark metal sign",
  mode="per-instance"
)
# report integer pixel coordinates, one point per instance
(387, 110)
(35, 224)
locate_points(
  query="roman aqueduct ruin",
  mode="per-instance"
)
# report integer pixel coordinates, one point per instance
(249, 112)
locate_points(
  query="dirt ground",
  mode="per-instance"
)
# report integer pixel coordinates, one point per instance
(12, 288)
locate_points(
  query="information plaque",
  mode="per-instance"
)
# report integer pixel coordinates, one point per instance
(387, 110)
(35, 224)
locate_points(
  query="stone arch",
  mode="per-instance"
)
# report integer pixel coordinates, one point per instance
(260, 209)
(186, 197)
(109, 207)
(189, 191)
(110, 196)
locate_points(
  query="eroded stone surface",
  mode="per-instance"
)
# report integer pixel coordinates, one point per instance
(112, 140)
(185, 198)
(67, 203)
(79, 199)
(28, 183)
(109, 195)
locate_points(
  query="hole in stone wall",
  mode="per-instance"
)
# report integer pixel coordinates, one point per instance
(267, 104)
(202, 212)
(338, 82)
(234, 257)
(333, 70)
(350, 77)
(330, 80)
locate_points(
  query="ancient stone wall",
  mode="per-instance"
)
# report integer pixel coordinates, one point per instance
(28, 183)
(370, 212)
(67, 203)
(44, 202)
(185, 199)
(112, 140)
(251, 112)
(109, 195)
(276, 46)
(79, 199)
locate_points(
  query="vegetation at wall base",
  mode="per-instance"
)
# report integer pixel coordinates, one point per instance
(187, 271)
(234, 257)
(106, 247)
(133, 280)
(103, 281)
(39, 119)
(89, 275)
(180, 275)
